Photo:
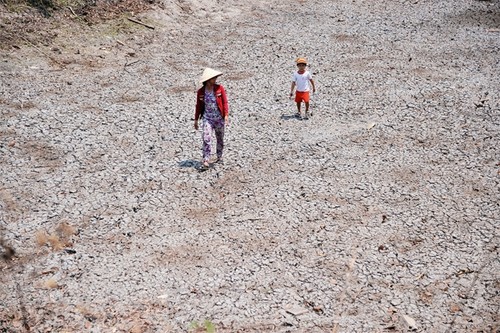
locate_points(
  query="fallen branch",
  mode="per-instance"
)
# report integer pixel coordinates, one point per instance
(139, 22)
(131, 63)
(72, 12)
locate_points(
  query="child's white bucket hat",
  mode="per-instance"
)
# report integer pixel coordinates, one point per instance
(208, 74)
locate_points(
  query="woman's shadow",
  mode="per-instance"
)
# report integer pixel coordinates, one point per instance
(197, 165)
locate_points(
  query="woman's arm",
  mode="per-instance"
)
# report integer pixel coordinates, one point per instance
(198, 109)
(225, 104)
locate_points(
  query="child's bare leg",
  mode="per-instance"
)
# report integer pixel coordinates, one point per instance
(307, 106)
(298, 107)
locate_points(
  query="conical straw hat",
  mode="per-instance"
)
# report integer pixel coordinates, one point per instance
(208, 74)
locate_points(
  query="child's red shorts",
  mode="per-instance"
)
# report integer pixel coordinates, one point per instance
(302, 96)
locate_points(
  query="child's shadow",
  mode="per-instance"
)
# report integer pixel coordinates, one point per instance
(289, 116)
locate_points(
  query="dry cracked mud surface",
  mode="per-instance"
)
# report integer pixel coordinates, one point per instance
(378, 214)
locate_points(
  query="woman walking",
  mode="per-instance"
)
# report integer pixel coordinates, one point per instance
(212, 108)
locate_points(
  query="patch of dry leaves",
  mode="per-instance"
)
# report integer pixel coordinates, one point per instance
(22, 24)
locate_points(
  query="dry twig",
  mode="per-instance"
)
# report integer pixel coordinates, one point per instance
(139, 22)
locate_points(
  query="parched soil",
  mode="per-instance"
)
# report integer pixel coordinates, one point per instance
(378, 214)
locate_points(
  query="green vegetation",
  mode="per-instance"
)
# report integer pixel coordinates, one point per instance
(207, 327)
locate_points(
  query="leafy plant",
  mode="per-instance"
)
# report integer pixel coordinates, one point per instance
(207, 327)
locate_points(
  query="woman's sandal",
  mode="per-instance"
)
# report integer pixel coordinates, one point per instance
(204, 165)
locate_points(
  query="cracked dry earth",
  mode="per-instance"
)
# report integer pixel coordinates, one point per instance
(379, 214)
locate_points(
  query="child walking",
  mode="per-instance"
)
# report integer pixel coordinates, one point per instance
(303, 81)
(212, 107)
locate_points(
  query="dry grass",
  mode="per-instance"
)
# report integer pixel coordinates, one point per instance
(51, 284)
(53, 240)
(66, 230)
(57, 240)
(41, 238)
